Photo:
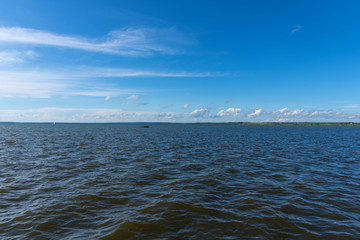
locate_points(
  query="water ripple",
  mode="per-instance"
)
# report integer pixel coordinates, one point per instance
(179, 181)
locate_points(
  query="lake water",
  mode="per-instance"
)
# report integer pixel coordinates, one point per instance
(179, 181)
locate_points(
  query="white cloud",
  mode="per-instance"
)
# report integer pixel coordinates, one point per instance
(329, 115)
(133, 97)
(107, 98)
(50, 114)
(297, 111)
(186, 106)
(255, 113)
(200, 113)
(286, 112)
(315, 113)
(125, 42)
(283, 110)
(300, 115)
(167, 115)
(229, 112)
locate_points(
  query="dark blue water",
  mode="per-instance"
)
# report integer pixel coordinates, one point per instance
(179, 181)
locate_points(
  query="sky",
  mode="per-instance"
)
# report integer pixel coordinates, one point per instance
(179, 61)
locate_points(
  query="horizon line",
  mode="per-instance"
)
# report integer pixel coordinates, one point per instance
(264, 123)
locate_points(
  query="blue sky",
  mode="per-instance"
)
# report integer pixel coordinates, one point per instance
(179, 61)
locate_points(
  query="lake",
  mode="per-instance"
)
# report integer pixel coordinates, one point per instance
(179, 181)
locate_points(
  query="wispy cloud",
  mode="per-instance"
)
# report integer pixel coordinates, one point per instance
(186, 106)
(125, 42)
(142, 104)
(295, 29)
(51, 114)
(352, 106)
(107, 98)
(133, 100)
(44, 84)
(120, 72)
(7, 57)
(94, 91)
(133, 97)
(34, 84)
(31, 84)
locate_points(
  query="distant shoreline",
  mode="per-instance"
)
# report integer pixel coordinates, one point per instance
(347, 124)
(352, 124)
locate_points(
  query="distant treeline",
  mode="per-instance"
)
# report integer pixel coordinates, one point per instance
(302, 123)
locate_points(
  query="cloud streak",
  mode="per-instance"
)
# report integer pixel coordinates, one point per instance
(38, 84)
(44, 84)
(7, 57)
(124, 42)
(51, 114)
